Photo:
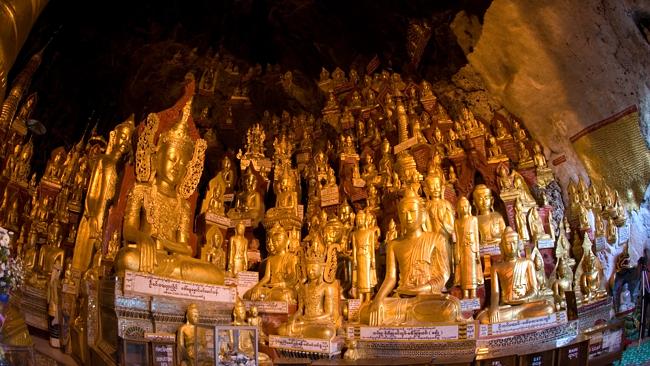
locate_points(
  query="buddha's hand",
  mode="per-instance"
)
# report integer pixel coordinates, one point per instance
(494, 316)
(147, 248)
(375, 310)
(256, 292)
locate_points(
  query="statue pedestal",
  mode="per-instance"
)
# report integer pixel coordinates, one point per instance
(442, 342)
(292, 347)
(34, 306)
(141, 303)
(595, 313)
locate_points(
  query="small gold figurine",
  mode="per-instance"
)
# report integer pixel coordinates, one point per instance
(249, 204)
(187, 336)
(237, 255)
(364, 240)
(467, 256)
(562, 284)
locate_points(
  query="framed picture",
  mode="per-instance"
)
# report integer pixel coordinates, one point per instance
(135, 352)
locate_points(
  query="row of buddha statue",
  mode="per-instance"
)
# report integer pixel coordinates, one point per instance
(447, 207)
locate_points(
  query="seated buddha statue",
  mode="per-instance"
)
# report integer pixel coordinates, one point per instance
(421, 261)
(281, 272)
(249, 204)
(49, 255)
(213, 202)
(536, 226)
(319, 313)
(158, 217)
(501, 131)
(562, 284)
(590, 277)
(490, 223)
(286, 202)
(514, 286)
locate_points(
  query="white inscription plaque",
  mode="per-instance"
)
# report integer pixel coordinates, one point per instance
(146, 284)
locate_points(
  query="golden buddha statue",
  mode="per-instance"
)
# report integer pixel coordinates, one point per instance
(254, 319)
(421, 259)
(281, 272)
(466, 251)
(521, 221)
(102, 187)
(213, 251)
(523, 192)
(453, 146)
(599, 226)
(319, 313)
(249, 204)
(188, 336)
(237, 255)
(30, 254)
(452, 175)
(495, 155)
(158, 218)
(54, 168)
(12, 161)
(440, 218)
(591, 276)
(365, 239)
(490, 223)
(113, 246)
(611, 233)
(286, 202)
(525, 160)
(536, 226)
(514, 286)
(501, 131)
(562, 284)
(214, 197)
(80, 182)
(49, 255)
(520, 133)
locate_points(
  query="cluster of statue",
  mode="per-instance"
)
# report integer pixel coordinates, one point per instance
(411, 238)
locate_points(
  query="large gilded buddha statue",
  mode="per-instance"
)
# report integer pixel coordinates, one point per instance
(421, 261)
(158, 217)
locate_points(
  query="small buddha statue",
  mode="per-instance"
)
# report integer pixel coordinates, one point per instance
(214, 199)
(520, 133)
(536, 226)
(12, 161)
(103, 184)
(625, 299)
(422, 261)
(158, 217)
(440, 218)
(466, 251)
(562, 284)
(29, 256)
(590, 278)
(365, 239)
(542, 282)
(54, 168)
(495, 155)
(188, 336)
(249, 204)
(80, 181)
(523, 192)
(254, 319)
(514, 293)
(452, 175)
(318, 314)
(611, 232)
(521, 221)
(538, 156)
(212, 251)
(501, 131)
(228, 173)
(599, 226)
(281, 272)
(113, 246)
(237, 256)
(490, 223)
(525, 160)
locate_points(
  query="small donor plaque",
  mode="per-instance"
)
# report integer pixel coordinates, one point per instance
(545, 244)
(269, 307)
(329, 196)
(353, 308)
(306, 344)
(429, 333)
(490, 249)
(146, 284)
(470, 304)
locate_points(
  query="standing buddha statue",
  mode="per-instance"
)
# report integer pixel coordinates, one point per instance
(237, 255)
(467, 257)
(364, 240)
(158, 218)
(102, 186)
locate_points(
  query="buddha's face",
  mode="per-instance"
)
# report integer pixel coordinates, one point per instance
(239, 312)
(434, 186)
(361, 218)
(410, 214)
(483, 199)
(171, 164)
(226, 164)
(314, 271)
(509, 245)
(122, 140)
(464, 208)
(193, 315)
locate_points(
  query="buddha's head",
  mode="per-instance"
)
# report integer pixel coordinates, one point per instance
(509, 243)
(174, 150)
(119, 140)
(410, 211)
(192, 314)
(433, 185)
(561, 268)
(240, 228)
(483, 199)
(361, 218)
(385, 146)
(464, 208)
(277, 239)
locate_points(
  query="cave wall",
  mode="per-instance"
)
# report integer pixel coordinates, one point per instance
(562, 66)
